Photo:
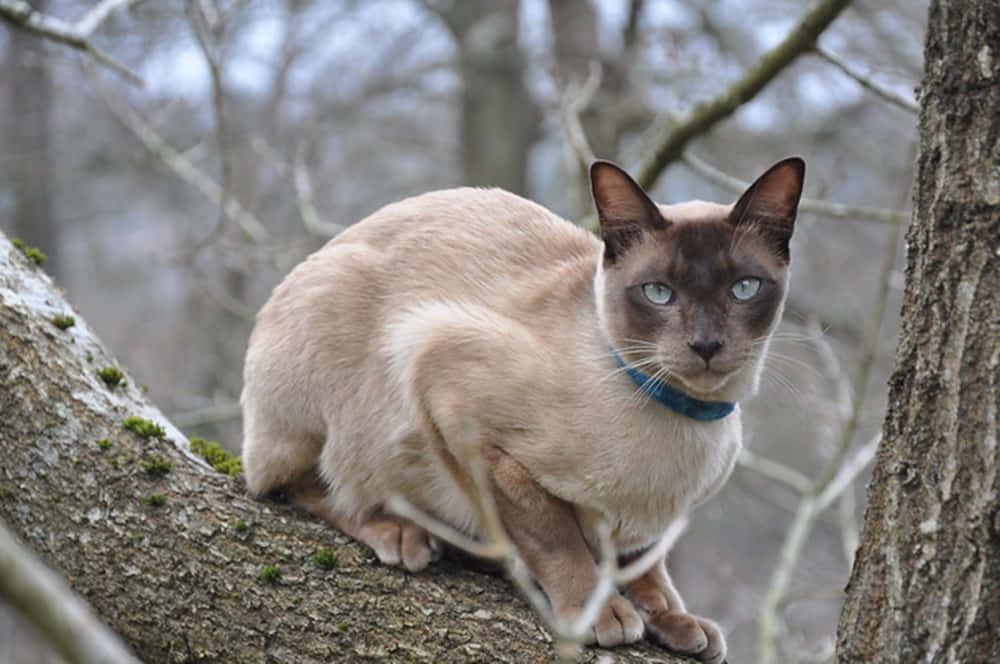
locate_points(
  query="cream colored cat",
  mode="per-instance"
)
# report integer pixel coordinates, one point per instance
(474, 310)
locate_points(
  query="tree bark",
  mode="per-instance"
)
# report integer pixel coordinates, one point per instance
(181, 580)
(926, 581)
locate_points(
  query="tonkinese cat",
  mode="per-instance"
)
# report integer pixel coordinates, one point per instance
(600, 375)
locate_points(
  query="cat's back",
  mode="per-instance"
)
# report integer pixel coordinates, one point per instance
(486, 249)
(467, 238)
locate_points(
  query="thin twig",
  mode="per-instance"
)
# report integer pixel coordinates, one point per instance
(311, 220)
(799, 40)
(184, 169)
(496, 544)
(811, 205)
(210, 52)
(74, 35)
(884, 93)
(775, 471)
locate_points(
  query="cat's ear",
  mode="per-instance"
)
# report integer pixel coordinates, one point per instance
(770, 204)
(623, 208)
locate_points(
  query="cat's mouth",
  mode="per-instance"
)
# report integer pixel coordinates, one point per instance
(704, 380)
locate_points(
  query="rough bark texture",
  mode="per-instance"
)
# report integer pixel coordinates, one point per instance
(181, 581)
(926, 582)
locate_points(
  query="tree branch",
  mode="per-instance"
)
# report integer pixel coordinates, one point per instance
(175, 562)
(183, 168)
(799, 40)
(884, 93)
(811, 205)
(74, 35)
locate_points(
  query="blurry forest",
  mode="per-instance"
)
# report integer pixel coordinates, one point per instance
(170, 209)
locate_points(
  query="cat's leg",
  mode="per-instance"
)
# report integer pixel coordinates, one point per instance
(394, 540)
(668, 622)
(549, 540)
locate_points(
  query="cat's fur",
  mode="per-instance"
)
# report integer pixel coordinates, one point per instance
(474, 312)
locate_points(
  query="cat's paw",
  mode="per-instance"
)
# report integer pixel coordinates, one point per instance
(399, 542)
(618, 623)
(686, 634)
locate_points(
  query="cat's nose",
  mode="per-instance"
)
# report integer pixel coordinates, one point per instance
(705, 348)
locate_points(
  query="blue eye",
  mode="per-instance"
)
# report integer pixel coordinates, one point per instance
(657, 293)
(745, 288)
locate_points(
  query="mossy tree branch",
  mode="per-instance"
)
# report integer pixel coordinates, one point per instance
(181, 562)
(799, 40)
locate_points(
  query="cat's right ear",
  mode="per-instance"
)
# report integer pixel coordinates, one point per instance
(623, 208)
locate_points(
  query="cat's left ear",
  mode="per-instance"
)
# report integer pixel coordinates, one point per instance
(771, 203)
(623, 208)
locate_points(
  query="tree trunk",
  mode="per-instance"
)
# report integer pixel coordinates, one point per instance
(926, 582)
(179, 576)
(499, 115)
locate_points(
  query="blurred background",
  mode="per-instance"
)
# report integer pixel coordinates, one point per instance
(170, 211)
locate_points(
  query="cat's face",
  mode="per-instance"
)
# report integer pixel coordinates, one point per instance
(690, 293)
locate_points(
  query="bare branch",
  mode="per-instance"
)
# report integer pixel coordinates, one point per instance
(497, 545)
(74, 35)
(184, 169)
(800, 39)
(45, 601)
(884, 93)
(575, 100)
(811, 205)
(775, 471)
(304, 195)
(837, 473)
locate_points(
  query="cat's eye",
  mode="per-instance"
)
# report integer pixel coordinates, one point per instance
(657, 293)
(745, 288)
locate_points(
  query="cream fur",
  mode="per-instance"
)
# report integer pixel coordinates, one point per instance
(475, 318)
(511, 329)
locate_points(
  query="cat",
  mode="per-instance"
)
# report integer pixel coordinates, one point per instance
(600, 375)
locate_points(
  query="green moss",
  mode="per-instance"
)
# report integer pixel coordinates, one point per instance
(143, 427)
(155, 499)
(36, 255)
(138, 537)
(63, 322)
(270, 574)
(5, 492)
(156, 465)
(217, 456)
(104, 443)
(340, 627)
(325, 559)
(111, 376)
(89, 356)
(241, 526)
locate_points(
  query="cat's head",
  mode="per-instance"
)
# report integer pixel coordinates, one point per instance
(691, 292)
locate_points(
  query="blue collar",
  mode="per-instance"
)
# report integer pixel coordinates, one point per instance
(673, 398)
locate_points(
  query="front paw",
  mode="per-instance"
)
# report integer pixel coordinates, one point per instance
(686, 634)
(399, 542)
(617, 624)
